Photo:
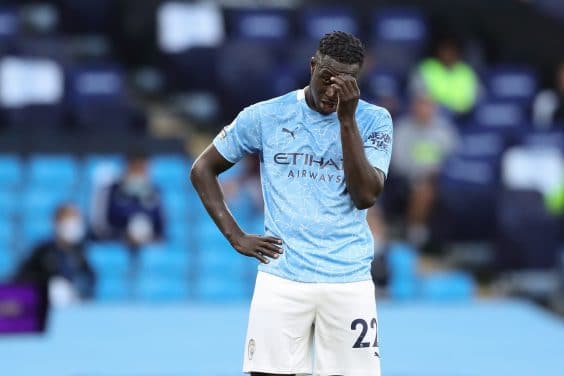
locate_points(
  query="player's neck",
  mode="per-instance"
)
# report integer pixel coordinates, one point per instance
(309, 98)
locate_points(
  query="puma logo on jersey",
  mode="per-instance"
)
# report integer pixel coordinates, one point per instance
(291, 133)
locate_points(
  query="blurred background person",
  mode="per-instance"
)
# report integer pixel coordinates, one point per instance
(548, 106)
(132, 210)
(58, 266)
(423, 139)
(447, 78)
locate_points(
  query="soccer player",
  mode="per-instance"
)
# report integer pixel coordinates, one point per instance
(324, 155)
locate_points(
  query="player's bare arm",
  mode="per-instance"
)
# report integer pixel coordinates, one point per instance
(203, 175)
(364, 182)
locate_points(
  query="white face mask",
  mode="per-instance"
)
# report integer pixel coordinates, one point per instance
(71, 230)
(137, 185)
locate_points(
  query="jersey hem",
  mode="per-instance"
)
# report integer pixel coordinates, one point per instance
(248, 370)
(352, 280)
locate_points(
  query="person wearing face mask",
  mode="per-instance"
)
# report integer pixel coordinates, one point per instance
(58, 266)
(133, 210)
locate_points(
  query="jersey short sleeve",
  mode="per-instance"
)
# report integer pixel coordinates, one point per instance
(240, 138)
(377, 139)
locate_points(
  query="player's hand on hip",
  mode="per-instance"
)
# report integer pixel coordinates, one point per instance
(260, 247)
(348, 95)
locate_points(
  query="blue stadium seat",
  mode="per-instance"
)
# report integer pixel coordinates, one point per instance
(406, 26)
(10, 22)
(36, 228)
(499, 114)
(543, 139)
(467, 192)
(317, 21)
(240, 59)
(42, 202)
(97, 95)
(6, 263)
(215, 254)
(161, 287)
(179, 232)
(48, 171)
(193, 69)
(513, 83)
(261, 25)
(476, 142)
(382, 83)
(175, 205)
(112, 288)
(170, 170)
(9, 203)
(447, 286)
(528, 235)
(6, 232)
(399, 36)
(109, 259)
(402, 265)
(11, 171)
(217, 288)
(402, 261)
(164, 259)
(403, 288)
(97, 165)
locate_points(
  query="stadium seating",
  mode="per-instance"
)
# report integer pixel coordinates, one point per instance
(399, 36)
(36, 228)
(9, 203)
(447, 286)
(467, 195)
(11, 172)
(170, 170)
(261, 25)
(528, 235)
(10, 24)
(512, 83)
(6, 263)
(402, 265)
(213, 288)
(113, 288)
(109, 259)
(50, 171)
(164, 260)
(317, 21)
(97, 95)
(151, 287)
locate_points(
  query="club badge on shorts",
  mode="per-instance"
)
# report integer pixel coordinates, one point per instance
(251, 348)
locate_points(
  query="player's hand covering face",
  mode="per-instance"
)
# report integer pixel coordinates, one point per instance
(348, 95)
(324, 91)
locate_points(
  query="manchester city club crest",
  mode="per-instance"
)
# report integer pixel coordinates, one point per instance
(251, 348)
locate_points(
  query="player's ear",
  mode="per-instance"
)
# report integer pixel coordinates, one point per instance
(312, 64)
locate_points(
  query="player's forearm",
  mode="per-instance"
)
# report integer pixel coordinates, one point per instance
(362, 180)
(206, 184)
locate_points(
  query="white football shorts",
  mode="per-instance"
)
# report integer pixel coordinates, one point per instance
(320, 329)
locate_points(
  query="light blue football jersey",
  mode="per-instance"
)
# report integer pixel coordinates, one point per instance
(325, 238)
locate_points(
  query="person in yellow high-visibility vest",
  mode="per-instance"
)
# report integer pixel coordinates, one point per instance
(447, 79)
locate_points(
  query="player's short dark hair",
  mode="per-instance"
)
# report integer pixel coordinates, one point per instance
(136, 154)
(343, 47)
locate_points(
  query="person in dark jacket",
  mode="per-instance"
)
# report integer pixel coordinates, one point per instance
(58, 266)
(133, 210)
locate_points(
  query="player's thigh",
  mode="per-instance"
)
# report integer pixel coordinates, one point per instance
(346, 331)
(279, 333)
